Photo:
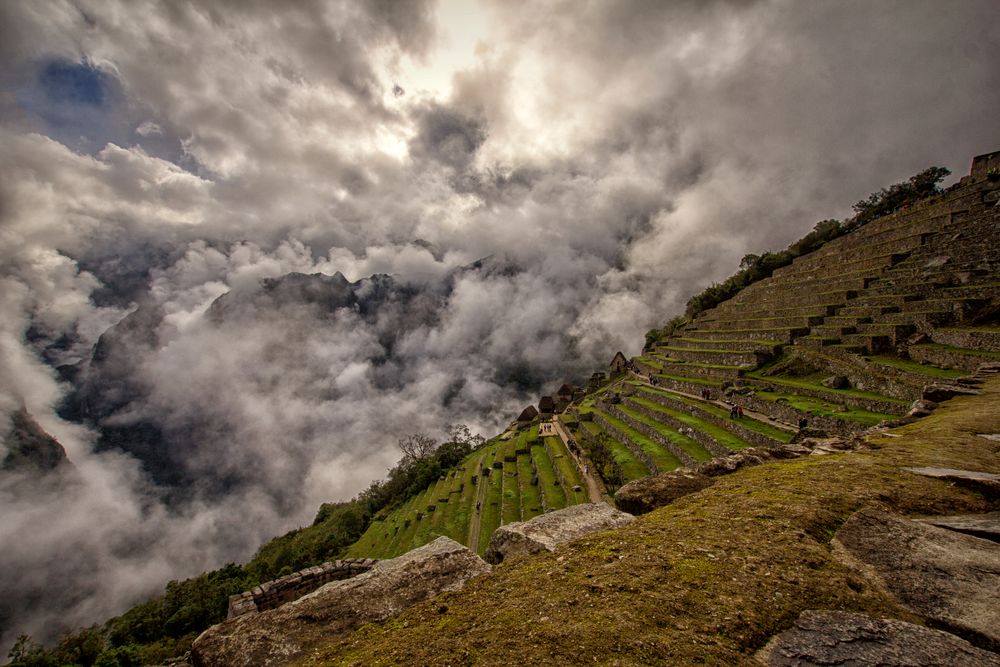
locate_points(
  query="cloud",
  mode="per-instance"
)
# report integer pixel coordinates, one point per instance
(608, 160)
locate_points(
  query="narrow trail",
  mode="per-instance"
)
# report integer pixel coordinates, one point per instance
(595, 491)
(481, 485)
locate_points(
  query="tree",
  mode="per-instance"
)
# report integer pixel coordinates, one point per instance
(416, 446)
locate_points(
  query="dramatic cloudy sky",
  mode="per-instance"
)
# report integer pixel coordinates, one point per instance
(611, 157)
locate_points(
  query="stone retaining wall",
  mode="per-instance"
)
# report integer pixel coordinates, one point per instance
(883, 380)
(621, 437)
(686, 460)
(788, 414)
(988, 341)
(566, 486)
(272, 594)
(734, 427)
(872, 405)
(705, 440)
(945, 358)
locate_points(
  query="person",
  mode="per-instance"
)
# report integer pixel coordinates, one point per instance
(803, 422)
(732, 412)
(739, 411)
(478, 503)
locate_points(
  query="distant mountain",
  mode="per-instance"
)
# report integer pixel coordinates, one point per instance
(111, 390)
(30, 448)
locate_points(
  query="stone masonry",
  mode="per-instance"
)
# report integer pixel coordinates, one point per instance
(272, 594)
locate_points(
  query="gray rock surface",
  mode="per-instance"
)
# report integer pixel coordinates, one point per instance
(279, 636)
(644, 495)
(648, 493)
(942, 392)
(985, 482)
(845, 638)
(837, 382)
(986, 526)
(951, 579)
(546, 532)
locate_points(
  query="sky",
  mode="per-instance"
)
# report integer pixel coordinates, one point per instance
(610, 158)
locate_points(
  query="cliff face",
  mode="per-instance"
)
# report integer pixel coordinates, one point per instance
(30, 448)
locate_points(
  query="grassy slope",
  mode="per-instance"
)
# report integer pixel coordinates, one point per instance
(706, 580)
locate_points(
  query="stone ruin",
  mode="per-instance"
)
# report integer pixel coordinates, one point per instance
(272, 594)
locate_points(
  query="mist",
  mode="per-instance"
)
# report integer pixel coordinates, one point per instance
(544, 182)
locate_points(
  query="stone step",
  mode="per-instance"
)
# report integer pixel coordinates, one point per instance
(947, 356)
(841, 265)
(828, 331)
(868, 343)
(846, 320)
(732, 345)
(714, 356)
(762, 323)
(696, 370)
(867, 312)
(777, 335)
(924, 317)
(896, 333)
(787, 299)
(702, 438)
(814, 341)
(981, 339)
(749, 311)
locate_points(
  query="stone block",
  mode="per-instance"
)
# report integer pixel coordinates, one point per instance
(546, 532)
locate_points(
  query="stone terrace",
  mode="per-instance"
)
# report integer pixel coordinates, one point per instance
(908, 300)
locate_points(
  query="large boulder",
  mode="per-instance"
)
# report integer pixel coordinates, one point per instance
(951, 579)
(939, 392)
(279, 636)
(545, 532)
(646, 494)
(845, 638)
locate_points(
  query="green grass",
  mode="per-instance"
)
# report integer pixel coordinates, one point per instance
(531, 498)
(960, 350)
(663, 459)
(917, 368)
(564, 463)
(815, 406)
(813, 383)
(708, 382)
(551, 491)
(747, 422)
(694, 449)
(510, 509)
(720, 435)
(631, 467)
(489, 515)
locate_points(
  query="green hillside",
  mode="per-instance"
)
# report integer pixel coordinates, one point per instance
(504, 481)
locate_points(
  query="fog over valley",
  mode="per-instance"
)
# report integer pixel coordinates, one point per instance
(244, 248)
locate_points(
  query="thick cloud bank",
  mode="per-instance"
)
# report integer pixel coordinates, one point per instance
(604, 160)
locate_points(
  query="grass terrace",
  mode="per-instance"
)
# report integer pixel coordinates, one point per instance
(720, 435)
(917, 368)
(778, 434)
(663, 459)
(631, 467)
(821, 408)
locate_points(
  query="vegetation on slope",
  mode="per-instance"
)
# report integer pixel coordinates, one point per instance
(757, 267)
(706, 580)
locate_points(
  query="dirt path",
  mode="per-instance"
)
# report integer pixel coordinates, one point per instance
(595, 490)
(481, 484)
